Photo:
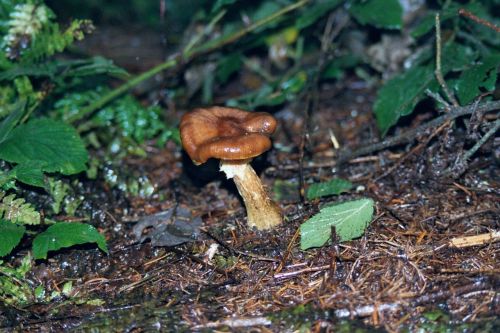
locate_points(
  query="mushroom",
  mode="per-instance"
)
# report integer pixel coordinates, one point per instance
(234, 137)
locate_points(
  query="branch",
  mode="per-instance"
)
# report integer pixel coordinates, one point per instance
(409, 136)
(182, 58)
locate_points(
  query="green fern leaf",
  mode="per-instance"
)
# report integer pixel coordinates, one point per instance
(17, 210)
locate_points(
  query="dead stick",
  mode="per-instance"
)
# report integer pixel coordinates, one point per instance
(438, 72)
(466, 13)
(410, 135)
(482, 239)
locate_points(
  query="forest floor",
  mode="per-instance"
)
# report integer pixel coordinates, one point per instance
(403, 273)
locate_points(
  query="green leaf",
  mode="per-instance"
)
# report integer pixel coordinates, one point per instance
(332, 187)
(429, 22)
(478, 76)
(221, 3)
(399, 95)
(30, 173)
(12, 119)
(387, 14)
(10, 236)
(227, 66)
(311, 14)
(17, 210)
(350, 219)
(53, 144)
(66, 234)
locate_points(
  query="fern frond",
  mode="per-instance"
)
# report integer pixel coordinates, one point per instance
(17, 210)
(51, 40)
(26, 22)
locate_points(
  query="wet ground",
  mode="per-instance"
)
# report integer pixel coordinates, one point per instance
(402, 273)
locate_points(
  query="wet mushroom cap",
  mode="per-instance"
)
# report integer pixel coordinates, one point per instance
(225, 133)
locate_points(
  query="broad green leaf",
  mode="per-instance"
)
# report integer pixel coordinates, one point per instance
(349, 219)
(332, 187)
(53, 144)
(456, 57)
(399, 96)
(30, 173)
(311, 14)
(429, 22)
(66, 234)
(10, 236)
(476, 77)
(387, 14)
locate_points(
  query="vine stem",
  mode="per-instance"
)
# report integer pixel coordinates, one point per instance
(181, 58)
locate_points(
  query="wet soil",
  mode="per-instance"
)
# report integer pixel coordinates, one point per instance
(402, 268)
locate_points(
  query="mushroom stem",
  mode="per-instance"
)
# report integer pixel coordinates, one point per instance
(262, 212)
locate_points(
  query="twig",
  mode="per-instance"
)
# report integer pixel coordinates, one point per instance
(412, 152)
(182, 58)
(330, 32)
(409, 136)
(304, 270)
(468, 241)
(235, 323)
(367, 310)
(438, 72)
(466, 13)
(468, 154)
(289, 248)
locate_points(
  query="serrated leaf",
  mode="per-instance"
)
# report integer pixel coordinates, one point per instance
(10, 236)
(30, 173)
(350, 219)
(66, 234)
(17, 210)
(332, 187)
(387, 14)
(399, 96)
(478, 76)
(53, 144)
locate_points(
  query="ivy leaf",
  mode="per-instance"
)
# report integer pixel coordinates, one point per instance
(332, 187)
(66, 234)
(350, 219)
(478, 76)
(387, 14)
(10, 236)
(53, 144)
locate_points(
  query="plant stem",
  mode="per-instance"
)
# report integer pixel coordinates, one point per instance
(183, 58)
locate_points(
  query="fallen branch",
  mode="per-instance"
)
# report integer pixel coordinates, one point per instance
(369, 309)
(236, 322)
(411, 135)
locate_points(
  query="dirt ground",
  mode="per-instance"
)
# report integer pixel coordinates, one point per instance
(403, 273)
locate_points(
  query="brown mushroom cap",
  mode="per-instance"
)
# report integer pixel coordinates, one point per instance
(225, 133)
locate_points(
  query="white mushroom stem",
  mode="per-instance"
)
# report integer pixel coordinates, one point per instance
(262, 212)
